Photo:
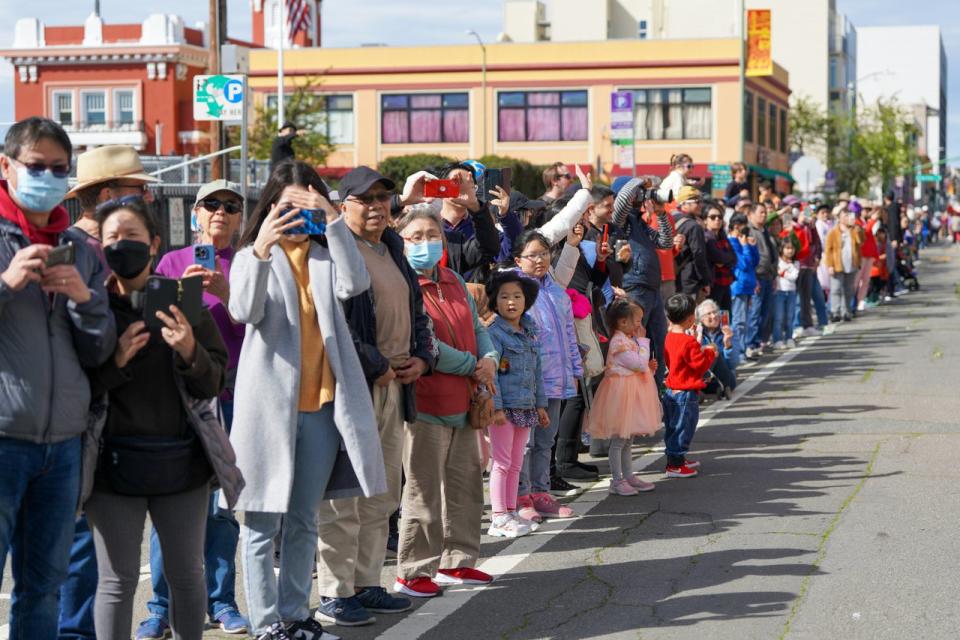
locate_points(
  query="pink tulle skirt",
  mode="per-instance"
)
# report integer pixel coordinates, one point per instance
(625, 406)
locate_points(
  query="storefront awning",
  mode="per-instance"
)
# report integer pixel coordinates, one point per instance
(773, 174)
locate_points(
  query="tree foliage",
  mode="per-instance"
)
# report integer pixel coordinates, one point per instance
(872, 144)
(305, 107)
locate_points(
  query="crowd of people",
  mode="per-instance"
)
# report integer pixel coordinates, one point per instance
(348, 386)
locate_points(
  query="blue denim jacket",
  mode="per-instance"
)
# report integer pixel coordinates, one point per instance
(519, 376)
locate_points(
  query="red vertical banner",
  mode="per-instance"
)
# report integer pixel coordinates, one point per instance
(759, 55)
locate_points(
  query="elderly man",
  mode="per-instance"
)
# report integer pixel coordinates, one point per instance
(694, 276)
(54, 322)
(394, 339)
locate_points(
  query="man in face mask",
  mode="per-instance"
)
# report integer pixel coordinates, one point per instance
(54, 322)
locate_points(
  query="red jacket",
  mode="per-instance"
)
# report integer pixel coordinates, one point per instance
(869, 247)
(687, 361)
(445, 301)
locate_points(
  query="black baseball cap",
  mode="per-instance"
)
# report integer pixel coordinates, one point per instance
(360, 180)
(519, 202)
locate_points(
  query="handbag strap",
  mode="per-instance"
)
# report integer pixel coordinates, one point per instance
(446, 321)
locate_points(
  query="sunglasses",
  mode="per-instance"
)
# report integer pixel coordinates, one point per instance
(565, 175)
(369, 199)
(213, 205)
(689, 165)
(37, 169)
(119, 201)
(714, 217)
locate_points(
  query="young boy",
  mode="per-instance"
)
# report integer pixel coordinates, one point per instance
(687, 362)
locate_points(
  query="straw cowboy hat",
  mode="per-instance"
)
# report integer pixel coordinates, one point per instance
(112, 162)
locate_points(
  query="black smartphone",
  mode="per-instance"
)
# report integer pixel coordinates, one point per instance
(186, 294)
(64, 254)
(494, 178)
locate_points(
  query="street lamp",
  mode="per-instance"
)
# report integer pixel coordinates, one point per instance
(483, 85)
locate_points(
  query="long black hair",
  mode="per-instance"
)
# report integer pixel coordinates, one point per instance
(287, 173)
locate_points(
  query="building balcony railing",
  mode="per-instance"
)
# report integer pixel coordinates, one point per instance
(103, 127)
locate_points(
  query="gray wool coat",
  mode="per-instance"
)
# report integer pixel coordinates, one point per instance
(263, 295)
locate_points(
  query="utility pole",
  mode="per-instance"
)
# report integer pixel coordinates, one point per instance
(218, 12)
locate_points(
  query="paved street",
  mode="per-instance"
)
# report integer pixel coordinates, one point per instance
(825, 509)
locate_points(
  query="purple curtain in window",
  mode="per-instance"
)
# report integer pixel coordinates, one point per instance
(512, 127)
(395, 127)
(425, 101)
(543, 124)
(425, 125)
(456, 126)
(574, 123)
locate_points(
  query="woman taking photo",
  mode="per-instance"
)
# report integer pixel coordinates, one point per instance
(158, 449)
(441, 459)
(294, 412)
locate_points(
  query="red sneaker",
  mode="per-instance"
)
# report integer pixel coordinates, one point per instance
(420, 587)
(693, 464)
(526, 509)
(548, 507)
(462, 575)
(682, 471)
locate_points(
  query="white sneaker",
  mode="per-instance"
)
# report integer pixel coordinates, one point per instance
(529, 524)
(791, 344)
(862, 305)
(779, 346)
(503, 526)
(809, 332)
(798, 333)
(829, 329)
(888, 298)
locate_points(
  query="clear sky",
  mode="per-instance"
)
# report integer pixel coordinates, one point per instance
(407, 22)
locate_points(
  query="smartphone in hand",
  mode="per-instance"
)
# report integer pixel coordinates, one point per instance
(205, 255)
(725, 318)
(314, 222)
(64, 254)
(441, 189)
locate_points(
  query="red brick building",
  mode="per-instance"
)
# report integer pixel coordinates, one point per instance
(112, 84)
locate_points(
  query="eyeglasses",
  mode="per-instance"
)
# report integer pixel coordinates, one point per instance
(119, 201)
(714, 217)
(369, 199)
(537, 257)
(36, 169)
(213, 205)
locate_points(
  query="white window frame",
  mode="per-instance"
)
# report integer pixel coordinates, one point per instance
(56, 107)
(106, 112)
(116, 104)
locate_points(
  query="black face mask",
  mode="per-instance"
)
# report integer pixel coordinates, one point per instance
(127, 258)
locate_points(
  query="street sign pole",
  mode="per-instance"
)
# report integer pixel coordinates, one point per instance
(244, 168)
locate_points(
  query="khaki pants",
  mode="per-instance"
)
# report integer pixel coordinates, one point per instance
(353, 532)
(442, 500)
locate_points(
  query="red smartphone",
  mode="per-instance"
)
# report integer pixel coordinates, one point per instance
(606, 234)
(725, 318)
(441, 189)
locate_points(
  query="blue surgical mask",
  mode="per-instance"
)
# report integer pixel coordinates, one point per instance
(426, 255)
(39, 193)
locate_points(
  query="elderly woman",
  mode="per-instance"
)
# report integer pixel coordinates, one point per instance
(712, 330)
(443, 498)
(219, 209)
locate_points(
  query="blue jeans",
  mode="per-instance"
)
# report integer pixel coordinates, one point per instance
(741, 311)
(655, 322)
(681, 412)
(286, 598)
(39, 487)
(80, 587)
(535, 473)
(761, 306)
(784, 308)
(820, 304)
(219, 551)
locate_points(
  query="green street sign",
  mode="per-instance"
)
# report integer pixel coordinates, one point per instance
(928, 177)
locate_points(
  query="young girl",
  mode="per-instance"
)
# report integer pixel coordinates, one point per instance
(562, 366)
(681, 164)
(626, 403)
(520, 401)
(785, 298)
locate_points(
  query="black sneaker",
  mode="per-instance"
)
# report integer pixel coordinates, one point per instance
(276, 631)
(846, 317)
(562, 488)
(308, 629)
(343, 612)
(576, 472)
(377, 600)
(592, 468)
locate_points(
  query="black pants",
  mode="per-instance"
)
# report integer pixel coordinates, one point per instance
(570, 430)
(805, 291)
(720, 293)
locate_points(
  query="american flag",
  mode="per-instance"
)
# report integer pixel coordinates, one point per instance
(298, 16)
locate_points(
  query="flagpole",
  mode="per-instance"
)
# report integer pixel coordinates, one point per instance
(283, 24)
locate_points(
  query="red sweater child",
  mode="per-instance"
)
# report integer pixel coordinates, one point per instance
(687, 361)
